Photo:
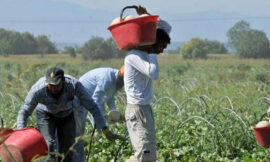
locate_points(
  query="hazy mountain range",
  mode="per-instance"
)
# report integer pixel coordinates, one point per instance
(67, 23)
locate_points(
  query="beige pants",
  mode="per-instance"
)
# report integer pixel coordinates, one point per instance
(141, 128)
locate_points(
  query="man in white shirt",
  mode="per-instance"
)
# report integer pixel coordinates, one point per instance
(141, 68)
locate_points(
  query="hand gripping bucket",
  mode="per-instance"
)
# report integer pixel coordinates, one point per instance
(134, 32)
(28, 142)
(262, 135)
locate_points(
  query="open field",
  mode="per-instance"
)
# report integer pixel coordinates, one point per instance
(204, 109)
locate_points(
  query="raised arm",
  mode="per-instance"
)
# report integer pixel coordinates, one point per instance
(148, 67)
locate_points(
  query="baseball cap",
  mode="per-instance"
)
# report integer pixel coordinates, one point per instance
(164, 25)
(54, 76)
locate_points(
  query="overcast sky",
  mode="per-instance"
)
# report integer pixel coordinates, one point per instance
(76, 21)
(246, 7)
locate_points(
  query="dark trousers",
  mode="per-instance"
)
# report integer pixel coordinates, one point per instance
(61, 130)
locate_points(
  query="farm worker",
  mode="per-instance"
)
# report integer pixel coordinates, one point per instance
(52, 97)
(141, 68)
(102, 84)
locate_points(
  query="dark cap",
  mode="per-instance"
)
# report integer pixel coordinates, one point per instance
(54, 76)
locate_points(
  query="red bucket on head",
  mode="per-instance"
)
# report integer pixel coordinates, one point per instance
(262, 135)
(29, 142)
(4, 134)
(134, 32)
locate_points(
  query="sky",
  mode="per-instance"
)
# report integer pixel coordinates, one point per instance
(246, 7)
(77, 21)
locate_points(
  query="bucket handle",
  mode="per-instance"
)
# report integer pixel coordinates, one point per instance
(133, 6)
(263, 116)
(2, 121)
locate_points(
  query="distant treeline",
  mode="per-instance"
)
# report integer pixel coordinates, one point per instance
(12, 42)
(96, 48)
(245, 41)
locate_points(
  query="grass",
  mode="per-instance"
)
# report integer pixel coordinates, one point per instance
(204, 109)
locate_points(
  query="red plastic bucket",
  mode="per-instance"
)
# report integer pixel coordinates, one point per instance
(10, 154)
(134, 32)
(262, 135)
(4, 134)
(29, 141)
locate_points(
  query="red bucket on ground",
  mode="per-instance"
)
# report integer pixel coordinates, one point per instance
(4, 134)
(29, 142)
(262, 135)
(134, 32)
(10, 154)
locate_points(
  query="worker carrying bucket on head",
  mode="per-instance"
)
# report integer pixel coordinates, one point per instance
(141, 68)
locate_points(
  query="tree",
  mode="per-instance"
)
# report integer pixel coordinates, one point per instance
(195, 48)
(29, 43)
(45, 45)
(115, 51)
(5, 48)
(236, 32)
(253, 44)
(215, 47)
(71, 51)
(12, 42)
(96, 48)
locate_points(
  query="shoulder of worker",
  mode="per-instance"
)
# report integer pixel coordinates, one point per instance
(135, 53)
(39, 85)
(70, 79)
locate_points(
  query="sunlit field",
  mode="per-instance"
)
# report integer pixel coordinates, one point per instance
(204, 109)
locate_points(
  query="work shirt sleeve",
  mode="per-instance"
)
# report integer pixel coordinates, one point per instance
(148, 67)
(26, 110)
(99, 95)
(111, 103)
(89, 104)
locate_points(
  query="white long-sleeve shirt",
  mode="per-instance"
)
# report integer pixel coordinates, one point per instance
(140, 70)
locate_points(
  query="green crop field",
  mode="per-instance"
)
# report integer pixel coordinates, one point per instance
(204, 109)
